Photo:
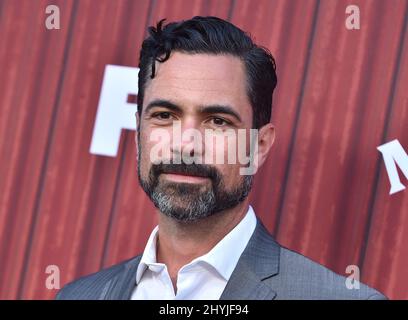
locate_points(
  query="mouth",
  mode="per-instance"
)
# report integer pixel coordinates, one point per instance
(184, 177)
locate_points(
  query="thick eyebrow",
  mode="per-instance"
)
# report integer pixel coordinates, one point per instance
(203, 109)
(220, 109)
(163, 103)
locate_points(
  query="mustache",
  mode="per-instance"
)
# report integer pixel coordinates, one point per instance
(193, 169)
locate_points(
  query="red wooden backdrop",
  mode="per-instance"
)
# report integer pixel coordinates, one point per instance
(324, 191)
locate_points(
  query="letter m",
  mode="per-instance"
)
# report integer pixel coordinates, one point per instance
(394, 155)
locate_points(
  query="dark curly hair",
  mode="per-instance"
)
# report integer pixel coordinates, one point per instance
(212, 35)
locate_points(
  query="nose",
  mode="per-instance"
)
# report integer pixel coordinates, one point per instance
(187, 140)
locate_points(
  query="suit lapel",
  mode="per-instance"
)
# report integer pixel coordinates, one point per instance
(121, 286)
(259, 261)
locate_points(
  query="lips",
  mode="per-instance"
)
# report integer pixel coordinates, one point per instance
(184, 178)
(186, 174)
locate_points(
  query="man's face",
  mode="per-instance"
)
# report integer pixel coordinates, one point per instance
(194, 94)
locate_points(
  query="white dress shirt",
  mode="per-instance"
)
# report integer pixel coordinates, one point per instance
(204, 277)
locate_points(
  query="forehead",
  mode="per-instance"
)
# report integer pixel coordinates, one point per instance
(197, 79)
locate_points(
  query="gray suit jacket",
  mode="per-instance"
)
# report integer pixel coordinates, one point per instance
(264, 271)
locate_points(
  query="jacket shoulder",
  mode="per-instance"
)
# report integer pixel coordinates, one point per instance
(93, 286)
(303, 278)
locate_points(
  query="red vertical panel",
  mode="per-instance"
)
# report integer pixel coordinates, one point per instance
(386, 260)
(31, 59)
(79, 188)
(341, 122)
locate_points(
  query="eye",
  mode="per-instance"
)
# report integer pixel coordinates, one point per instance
(219, 122)
(162, 115)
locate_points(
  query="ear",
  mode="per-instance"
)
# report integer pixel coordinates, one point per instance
(136, 132)
(266, 138)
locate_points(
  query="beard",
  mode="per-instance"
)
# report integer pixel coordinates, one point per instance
(188, 202)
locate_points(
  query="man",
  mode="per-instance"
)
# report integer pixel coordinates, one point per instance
(198, 78)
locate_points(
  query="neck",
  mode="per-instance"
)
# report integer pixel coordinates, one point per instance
(179, 243)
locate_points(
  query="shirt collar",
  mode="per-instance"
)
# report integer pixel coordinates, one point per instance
(223, 256)
(149, 254)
